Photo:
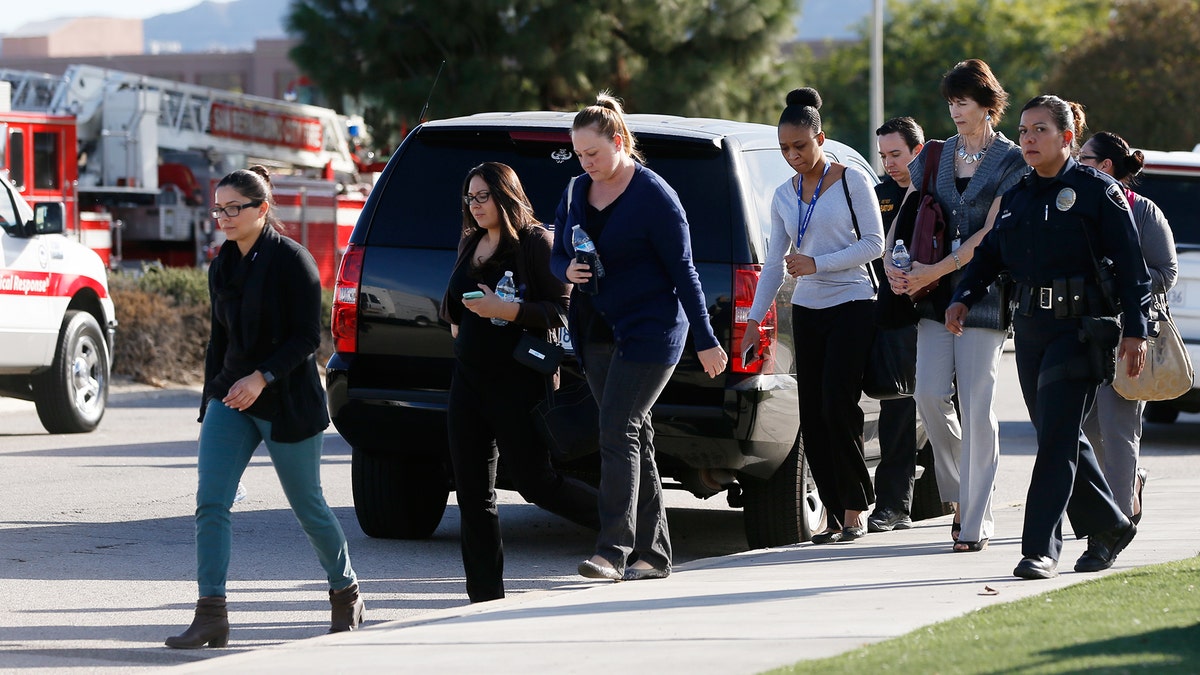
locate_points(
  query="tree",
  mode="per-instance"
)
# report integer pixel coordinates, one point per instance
(1137, 74)
(1020, 39)
(693, 57)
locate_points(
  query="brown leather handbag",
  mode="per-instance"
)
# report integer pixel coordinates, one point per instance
(929, 238)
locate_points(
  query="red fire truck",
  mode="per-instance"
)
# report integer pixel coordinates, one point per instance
(134, 161)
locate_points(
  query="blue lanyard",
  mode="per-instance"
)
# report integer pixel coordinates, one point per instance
(812, 203)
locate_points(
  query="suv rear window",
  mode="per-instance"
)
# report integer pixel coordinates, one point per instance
(1177, 196)
(420, 206)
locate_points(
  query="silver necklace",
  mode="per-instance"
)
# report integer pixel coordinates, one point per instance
(973, 157)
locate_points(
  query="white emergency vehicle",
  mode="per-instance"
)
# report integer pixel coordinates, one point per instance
(56, 317)
(1172, 180)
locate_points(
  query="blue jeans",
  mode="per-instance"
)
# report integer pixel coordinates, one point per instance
(227, 440)
(633, 518)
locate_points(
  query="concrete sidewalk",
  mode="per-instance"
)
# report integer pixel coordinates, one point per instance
(744, 613)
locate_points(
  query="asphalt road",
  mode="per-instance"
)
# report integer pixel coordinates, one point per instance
(97, 557)
(97, 561)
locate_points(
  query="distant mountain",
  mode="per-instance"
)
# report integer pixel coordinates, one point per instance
(216, 26)
(831, 19)
(233, 26)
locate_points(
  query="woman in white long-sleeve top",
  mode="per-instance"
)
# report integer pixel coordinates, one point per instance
(1114, 425)
(831, 213)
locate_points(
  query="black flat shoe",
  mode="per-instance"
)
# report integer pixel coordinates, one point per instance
(1037, 567)
(1103, 548)
(852, 533)
(827, 537)
(640, 573)
(955, 528)
(591, 570)
(886, 520)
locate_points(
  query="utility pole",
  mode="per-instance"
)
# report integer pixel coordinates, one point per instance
(876, 116)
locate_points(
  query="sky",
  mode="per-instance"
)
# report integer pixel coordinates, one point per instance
(17, 13)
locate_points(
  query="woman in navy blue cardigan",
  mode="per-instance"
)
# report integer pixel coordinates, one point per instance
(630, 334)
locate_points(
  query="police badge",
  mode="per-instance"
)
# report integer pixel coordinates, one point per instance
(1065, 199)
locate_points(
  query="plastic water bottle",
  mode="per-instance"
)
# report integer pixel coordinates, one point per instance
(507, 291)
(585, 252)
(900, 257)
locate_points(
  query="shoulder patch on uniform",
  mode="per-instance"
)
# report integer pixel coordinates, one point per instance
(1116, 194)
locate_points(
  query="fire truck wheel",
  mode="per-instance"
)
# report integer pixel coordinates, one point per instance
(71, 396)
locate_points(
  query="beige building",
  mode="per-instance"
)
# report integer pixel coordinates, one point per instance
(66, 38)
(52, 46)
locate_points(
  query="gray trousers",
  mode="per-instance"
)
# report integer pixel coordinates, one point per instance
(1114, 428)
(964, 456)
(633, 517)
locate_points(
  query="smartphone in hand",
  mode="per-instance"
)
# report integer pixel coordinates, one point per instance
(750, 354)
(472, 295)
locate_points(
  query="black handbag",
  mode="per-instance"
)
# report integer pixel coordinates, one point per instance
(891, 369)
(538, 354)
(568, 421)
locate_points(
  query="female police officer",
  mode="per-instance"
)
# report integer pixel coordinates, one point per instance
(1050, 230)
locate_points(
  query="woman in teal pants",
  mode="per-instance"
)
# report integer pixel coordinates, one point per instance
(261, 386)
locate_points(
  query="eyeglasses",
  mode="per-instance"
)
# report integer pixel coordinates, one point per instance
(233, 210)
(479, 197)
(1091, 158)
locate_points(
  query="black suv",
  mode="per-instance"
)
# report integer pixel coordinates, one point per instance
(389, 375)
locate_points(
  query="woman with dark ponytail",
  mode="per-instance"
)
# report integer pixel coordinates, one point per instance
(261, 386)
(631, 332)
(1050, 233)
(1114, 425)
(831, 213)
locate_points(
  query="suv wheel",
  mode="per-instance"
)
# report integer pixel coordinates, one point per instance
(397, 497)
(72, 394)
(783, 509)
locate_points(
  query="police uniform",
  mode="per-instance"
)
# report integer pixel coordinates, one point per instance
(1047, 234)
(898, 416)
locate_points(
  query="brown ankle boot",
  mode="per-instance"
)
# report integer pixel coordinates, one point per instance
(347, 611)
(210, 626)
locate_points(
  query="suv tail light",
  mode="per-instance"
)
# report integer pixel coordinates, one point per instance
(745, 280)
(345, 301)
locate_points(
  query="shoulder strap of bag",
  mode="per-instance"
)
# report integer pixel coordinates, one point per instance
(857, 232)
(932, 158)
(571, 192)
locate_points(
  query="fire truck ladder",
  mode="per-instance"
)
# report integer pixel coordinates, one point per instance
(192, 117)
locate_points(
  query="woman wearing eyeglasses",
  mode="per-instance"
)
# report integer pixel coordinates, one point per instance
(261, 386)
(491, 394)
(1114, 426)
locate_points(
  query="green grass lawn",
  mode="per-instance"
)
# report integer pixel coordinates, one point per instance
(1143, 620)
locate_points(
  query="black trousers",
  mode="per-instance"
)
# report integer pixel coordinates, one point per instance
(832, 345)
(1059, 391)
(897, 454)
(488, 418)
